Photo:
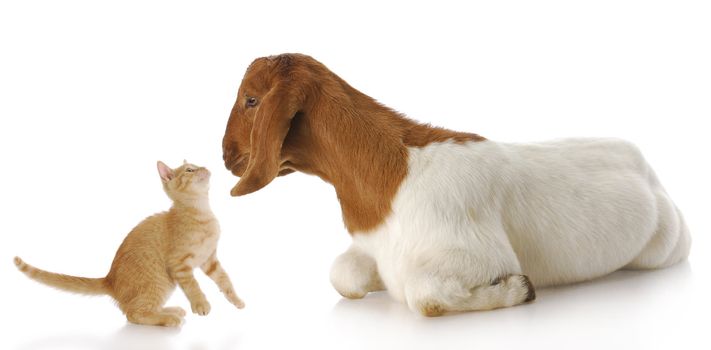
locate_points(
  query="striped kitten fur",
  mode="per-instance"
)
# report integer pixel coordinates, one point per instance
(159, 253)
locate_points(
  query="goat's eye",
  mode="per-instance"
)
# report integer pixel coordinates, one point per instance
(251, 101)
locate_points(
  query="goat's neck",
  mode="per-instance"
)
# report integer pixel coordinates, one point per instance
(362, 149)
(363, 156)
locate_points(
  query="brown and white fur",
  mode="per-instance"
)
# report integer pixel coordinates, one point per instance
(158, 253)
(445, 220)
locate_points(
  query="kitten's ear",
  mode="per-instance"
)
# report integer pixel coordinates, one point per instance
(185, 162)
(166, 173)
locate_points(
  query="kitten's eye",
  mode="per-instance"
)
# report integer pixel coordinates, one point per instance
(188, 170)
(251, 101)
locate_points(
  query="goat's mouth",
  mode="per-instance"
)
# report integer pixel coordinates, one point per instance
(283, 172)
(237, 166)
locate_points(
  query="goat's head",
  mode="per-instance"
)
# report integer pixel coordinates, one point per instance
(273, 92)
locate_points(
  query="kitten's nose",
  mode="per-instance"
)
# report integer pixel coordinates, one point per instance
(204, 173)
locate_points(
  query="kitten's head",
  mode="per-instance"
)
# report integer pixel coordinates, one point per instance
(187, 181)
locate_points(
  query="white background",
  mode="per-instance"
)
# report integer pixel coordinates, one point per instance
(93, 93)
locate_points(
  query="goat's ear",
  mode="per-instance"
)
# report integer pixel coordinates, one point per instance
(271, 124)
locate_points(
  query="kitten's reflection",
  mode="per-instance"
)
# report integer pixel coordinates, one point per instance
(130, 336)
(138, 337)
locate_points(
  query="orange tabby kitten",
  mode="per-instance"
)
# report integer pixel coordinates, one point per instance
(158, 253)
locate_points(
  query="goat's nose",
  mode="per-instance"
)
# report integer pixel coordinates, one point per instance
(226, 147)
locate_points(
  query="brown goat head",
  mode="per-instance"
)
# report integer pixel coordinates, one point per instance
(273, 90)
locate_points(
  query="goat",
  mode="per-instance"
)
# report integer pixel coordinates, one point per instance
(444, 220)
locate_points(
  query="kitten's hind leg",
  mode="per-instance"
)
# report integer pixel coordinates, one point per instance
(148, 309)
(175, 310)
(154, 318)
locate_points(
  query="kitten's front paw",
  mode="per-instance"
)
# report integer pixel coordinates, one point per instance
(201, 308)
(237, 302)
(234, 299)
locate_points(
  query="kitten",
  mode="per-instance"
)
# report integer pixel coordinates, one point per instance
(158, 253)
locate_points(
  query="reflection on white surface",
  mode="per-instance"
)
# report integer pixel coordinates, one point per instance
(127, 337)
(627, 308)
(130, 336)
(620, 309)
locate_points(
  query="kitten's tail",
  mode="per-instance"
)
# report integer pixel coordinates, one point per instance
(83, 285)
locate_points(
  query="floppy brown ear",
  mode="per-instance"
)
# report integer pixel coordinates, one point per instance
(271, 124)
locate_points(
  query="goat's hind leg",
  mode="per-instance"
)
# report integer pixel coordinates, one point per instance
(506, 291)
(438, 296)
(670, 242)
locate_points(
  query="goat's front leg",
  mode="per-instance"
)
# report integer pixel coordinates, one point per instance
(214, 270)
(354, 274)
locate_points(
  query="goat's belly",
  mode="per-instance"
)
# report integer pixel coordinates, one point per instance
(582, 233)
